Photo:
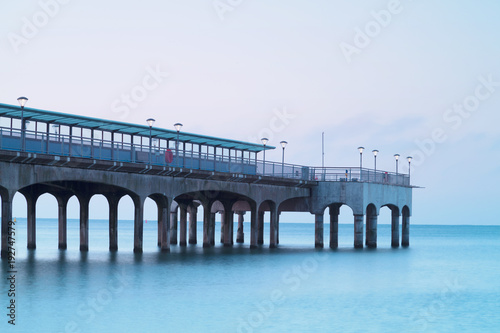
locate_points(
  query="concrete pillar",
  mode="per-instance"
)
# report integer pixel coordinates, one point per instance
(371, 230)
(212, 229)
(173, 227)
(228, 221)
(207, 224)
(84, 222)
(160, 224)
(334, 226)
(31, 203)
(253, 227)
(358, 231)
(278, 228)
(62, 217)
(318, 230)
(164, 217)
(6, 218)
(113, 222)
(193, 214)
(273, 230)
(260, 228)
(222, 221)
(138, 224)
(395, 229)
(405, 239)
(182, 224)
(240, 235)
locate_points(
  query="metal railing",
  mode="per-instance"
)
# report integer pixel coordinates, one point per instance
(98, 148)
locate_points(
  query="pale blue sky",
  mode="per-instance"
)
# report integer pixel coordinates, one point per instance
(231, 70)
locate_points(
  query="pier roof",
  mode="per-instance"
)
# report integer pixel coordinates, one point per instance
(65, 119)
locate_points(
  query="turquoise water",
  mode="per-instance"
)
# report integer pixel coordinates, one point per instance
(447, 281)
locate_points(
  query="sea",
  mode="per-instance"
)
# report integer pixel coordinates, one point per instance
(447, 280)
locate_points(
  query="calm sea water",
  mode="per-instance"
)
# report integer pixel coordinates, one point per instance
(447, 281)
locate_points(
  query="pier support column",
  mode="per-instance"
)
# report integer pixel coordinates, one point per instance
(405, 239)
(207, 224)
(395, 228)
(6, 218)
(253, 227)
(240, 235)
(222, 220)
(371, 227)
(278, 228)
(228, 221)
(113, 222)
(212, 229)
(318, 230)
(334, 226)
(173, 227)
(62, 219)
(193, 214)
(273, 228)
(358, 231)
(138, 224)
(182, 224)
(164, 217)
(260, 228)
(31, 203)
(84, 222)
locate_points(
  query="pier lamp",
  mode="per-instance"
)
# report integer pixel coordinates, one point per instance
(396, 156)
(409, 158)
(283, 145)
(178, 127)
(150, 122)
(361, 158)
(375, 153)
(22, 102)
(264, 142)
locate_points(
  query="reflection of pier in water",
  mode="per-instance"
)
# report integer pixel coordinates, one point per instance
(68, 155)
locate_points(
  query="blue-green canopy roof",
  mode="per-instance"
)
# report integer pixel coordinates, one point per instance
(66, 119)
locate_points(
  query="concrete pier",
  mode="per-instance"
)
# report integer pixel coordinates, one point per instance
(222, 221)
(273, 228)
(318, 227)
(182, 225)
(260, 228)
(253, 228)
(228, 222)
(173, 228)
(334, 226)
(6, 218)
(62, 218)
(31, 203)
(113, 222)
(358, 231)
(395, 228)
(84, 222)
(138, 224)
(371, 227)
(193, 216)
(405, 241)
(240, 235)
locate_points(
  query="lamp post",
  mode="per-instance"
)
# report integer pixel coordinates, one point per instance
(178, 127)
(150, 122)
(409, 158)
(360, 161)
(375, 152)
(283, 145)
(264, 142)
(396, 156)
(22, 102)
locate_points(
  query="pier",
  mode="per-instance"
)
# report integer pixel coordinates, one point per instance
(68, 155)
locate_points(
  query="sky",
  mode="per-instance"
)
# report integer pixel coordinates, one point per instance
(418, 78)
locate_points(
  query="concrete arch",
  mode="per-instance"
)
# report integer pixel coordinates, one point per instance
(272, 207)
(395, 214)
(163, 204)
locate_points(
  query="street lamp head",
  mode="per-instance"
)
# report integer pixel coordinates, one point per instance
(361, 149)
(409, 158)
(375, 152)
(178, 126)
(396, 156)
(22, 101)
(283, 144)
(264, 141)
(150, 122)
